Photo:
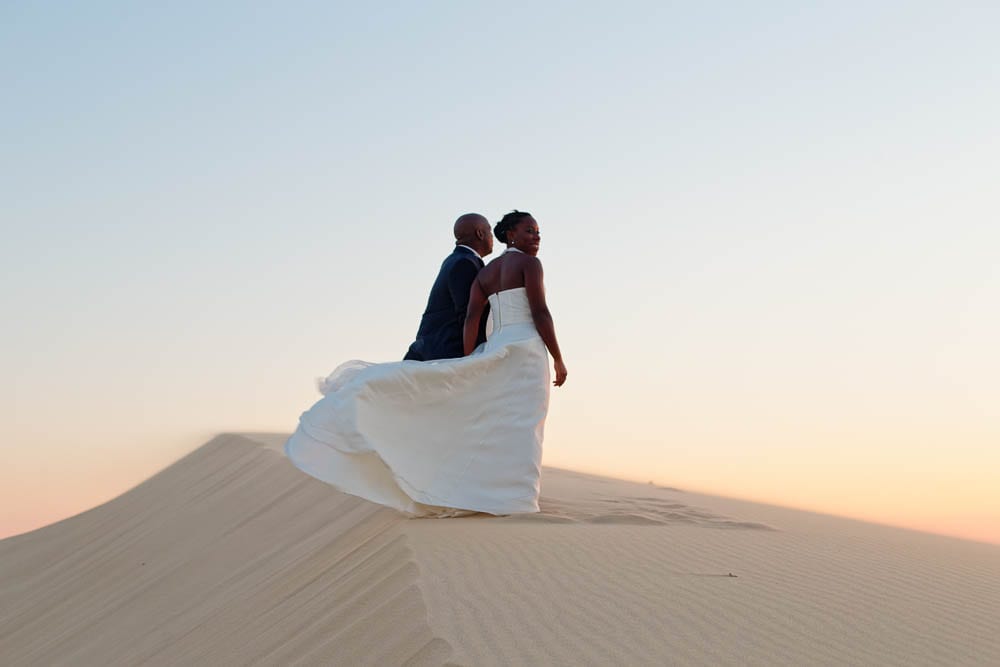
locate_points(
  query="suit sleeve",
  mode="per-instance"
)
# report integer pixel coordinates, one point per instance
(459, 283)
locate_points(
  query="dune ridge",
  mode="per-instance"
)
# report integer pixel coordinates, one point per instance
(231, 556)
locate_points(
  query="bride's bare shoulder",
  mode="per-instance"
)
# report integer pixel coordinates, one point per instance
(514, 259)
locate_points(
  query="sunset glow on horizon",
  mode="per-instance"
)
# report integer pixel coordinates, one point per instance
(769, 235)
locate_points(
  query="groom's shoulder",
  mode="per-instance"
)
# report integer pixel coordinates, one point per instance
(450, 258)
(459, 256)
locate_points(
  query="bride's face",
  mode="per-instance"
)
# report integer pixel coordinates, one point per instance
(525, 236)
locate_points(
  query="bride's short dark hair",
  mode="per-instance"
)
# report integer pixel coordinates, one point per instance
(507, 223)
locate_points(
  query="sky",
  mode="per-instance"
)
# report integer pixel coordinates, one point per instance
(769, 232)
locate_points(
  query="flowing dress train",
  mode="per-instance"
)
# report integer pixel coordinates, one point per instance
(442, 437)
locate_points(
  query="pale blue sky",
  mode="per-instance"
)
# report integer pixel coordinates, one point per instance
(769, 231)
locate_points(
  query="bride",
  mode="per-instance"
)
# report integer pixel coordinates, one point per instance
(445, 437)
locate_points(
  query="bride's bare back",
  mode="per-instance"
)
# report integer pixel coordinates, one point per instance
(505, 272)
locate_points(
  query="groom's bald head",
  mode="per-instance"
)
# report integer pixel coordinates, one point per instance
(467, 224)
(474, 231)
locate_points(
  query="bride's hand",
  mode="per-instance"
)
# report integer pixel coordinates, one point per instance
(560, 373)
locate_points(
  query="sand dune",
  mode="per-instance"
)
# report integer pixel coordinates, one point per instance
(231, 556)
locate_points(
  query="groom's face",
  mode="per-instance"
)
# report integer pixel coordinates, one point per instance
(487, 232)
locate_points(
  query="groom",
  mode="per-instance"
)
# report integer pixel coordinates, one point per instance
(440, 333)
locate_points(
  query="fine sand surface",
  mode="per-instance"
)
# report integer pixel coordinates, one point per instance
(231, 556)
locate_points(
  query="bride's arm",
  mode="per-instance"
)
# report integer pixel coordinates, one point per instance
(534, 285)
(473, 314)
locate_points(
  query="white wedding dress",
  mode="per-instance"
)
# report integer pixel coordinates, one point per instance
(441, 437)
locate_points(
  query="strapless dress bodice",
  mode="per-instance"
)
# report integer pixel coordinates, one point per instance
(509, 307)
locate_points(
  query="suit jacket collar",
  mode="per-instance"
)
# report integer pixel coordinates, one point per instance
(466, 250)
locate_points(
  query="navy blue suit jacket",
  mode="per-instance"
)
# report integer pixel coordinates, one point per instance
(440, 333)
